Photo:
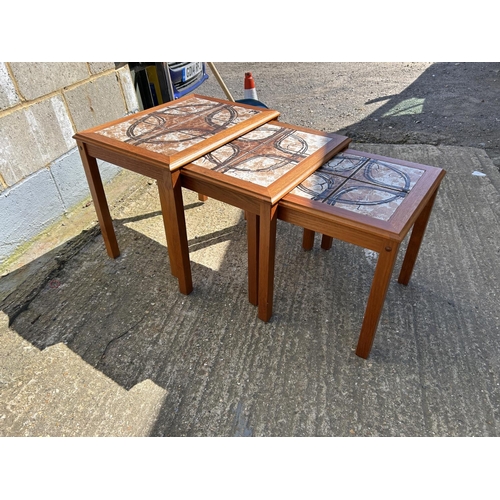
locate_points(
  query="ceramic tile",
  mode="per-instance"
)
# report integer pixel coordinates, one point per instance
(389, 175)
(263, 155)
(319, 186)
(367, 199)
(222, 158)
(360, 184)
(344, 164)
(178, 127)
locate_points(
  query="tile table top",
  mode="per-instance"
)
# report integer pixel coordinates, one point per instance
(177, 132)
(360, 184)
(271, 154)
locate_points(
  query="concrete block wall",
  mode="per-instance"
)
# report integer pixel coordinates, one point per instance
(42, 105)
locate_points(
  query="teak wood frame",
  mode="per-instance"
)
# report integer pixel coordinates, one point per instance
(383, 237)
(164, 169)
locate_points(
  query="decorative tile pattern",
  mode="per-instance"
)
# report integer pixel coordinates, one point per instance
(263, 155)
(360, 184)
(388, 175)
(179, 126)
(344, 164)
(368, 199)
(319, 185)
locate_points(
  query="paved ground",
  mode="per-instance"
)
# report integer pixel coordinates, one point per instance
(219, 371)
(451, 104)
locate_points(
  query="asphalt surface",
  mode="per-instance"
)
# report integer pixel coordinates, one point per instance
(449, 104)
(435, 364)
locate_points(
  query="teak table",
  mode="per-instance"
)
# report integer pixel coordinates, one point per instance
(253, 173)
(156, 143)
(240, 155)
(371, 201)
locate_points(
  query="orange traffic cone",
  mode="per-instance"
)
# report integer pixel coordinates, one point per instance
(250, 92)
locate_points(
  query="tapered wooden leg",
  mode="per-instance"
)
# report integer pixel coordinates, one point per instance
(267, 251)
(253, 257)
(100, 203)
(326, 242)
(163, 203)
(381, 280)
(169, 187)
(202, 197)
(417, 235)
(308, 239)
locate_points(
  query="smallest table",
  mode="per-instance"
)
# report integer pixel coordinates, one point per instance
(371, 201)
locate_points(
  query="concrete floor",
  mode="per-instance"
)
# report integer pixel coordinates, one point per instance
(216, 370)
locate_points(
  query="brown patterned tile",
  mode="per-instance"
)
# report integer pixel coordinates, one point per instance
(344, 164)
(319, 186)
(390, 175)
(263, 155)
(360, 184)
(367, 199)
(178, 126)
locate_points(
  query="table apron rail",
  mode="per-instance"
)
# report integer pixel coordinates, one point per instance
(236, 199)
(365, 239)
(138, 166)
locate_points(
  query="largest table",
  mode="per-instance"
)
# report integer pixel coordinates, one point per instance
(228, 151)
(156, 143)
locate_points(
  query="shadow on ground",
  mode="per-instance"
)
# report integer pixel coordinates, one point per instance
(455, 104)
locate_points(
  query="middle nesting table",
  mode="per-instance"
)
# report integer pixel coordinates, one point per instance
(253, 173)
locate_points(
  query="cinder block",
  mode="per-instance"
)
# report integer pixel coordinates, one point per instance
(100, 67)
(36, 79)
(96, 102)
(33, 137)
(8, 93)
(107, 170)
(27, 209)
(69, 176)
(128, 89)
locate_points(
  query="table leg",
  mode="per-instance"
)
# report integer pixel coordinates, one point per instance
(169, 187)
(308, 239)
(253, 223)
(380, 284)
(267, 250)
(100, 203)
(326, 242)
(417, 235)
